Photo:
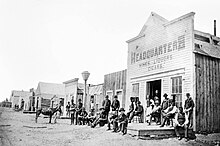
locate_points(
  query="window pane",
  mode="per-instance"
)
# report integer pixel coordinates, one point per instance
(135, 90)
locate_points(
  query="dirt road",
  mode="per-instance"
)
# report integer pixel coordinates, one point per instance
(18, 129)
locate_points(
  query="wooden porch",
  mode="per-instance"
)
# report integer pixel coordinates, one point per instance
(143, 130)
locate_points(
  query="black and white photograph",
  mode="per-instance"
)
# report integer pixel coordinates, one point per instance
(109, 73)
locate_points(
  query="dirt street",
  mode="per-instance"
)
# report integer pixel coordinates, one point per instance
(18, 129)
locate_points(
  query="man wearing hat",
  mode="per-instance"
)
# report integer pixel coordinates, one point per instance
(78, 109)
(155, 113)
(165, 102)
(82, 116)
(112, 116)
(137, 112)
(122, 120)
(115, 104)
(72, 112)
(101, 119)
(188, 107)
(131, 107)
(164, 106)
(91, 117)
(106, 105)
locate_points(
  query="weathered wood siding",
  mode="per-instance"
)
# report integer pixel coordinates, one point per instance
(207, 94)
(115, 82)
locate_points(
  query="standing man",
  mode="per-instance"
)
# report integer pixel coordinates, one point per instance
(72, 112)
(78, 109)
(181, 121)
(156, 95)
(68, 109)
(164, 106)
(188, 107)
(106, 105)
(115, 104)
(22, 103)
(92, 104)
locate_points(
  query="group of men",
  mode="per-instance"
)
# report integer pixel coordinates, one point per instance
(112, 114)
(182, 117)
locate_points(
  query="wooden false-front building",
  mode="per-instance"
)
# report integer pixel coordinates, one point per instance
(172, 57)
(115, 84)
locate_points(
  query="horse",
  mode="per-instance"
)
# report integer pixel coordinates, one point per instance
(49, 112)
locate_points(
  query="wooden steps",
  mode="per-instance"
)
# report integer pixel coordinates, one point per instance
(140, 130)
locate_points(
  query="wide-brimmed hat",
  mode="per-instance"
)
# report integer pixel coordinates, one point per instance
(165, 95)
(101, 108)
(121, 109)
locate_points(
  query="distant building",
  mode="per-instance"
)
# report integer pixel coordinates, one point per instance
(95, 94)
(73, 92)
(17, 96)
(46, 91)
(115, 84)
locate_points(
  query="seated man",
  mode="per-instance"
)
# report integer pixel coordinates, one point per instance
(148, 112)
(155, 113)
(101, 119)
(181, 121)
(169, 113)
(131, 107)
(122, 120)
(91, 117)
(112, 116)
(137, 112)
(82, 116)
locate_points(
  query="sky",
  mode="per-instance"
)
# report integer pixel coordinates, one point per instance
(56, 40)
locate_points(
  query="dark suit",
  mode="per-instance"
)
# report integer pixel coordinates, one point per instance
(115, 105)
(82, 117)
(106, 105)
(137, 112)
(122, 120)
(78, 111)
(101, 120)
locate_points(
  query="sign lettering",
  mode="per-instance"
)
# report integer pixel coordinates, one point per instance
(175, 45)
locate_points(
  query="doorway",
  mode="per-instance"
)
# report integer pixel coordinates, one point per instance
(153, 89)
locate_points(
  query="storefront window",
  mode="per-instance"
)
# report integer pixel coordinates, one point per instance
(177, 90)
(135, 90)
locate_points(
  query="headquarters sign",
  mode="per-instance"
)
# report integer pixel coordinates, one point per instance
(154, 58)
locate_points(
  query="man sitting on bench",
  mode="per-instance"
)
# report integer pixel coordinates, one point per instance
(169, 113)
(82, 116)
(137, 112)
(156, 113)
(102, 119)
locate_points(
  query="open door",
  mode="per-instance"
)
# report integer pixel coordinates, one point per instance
(153, 89)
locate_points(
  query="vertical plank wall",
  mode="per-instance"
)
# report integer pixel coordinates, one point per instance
(115, 81)
(207, 94)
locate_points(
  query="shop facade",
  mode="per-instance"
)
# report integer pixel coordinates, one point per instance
(115, 84)
(162, 59)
